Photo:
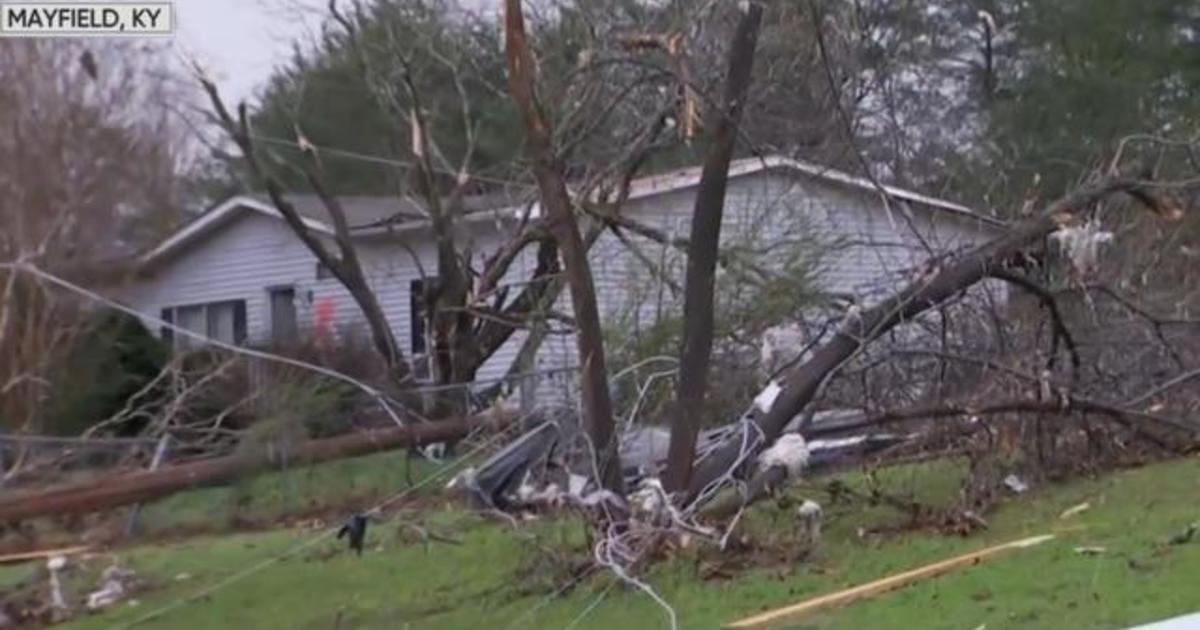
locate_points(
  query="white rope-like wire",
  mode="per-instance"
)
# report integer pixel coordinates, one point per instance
(380, 397)
(590, 607)
(373, 392)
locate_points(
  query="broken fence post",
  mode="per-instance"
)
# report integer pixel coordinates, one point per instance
(160, 453)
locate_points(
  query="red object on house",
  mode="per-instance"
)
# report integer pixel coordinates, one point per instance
(323, 322)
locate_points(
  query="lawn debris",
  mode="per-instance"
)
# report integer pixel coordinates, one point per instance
(808, 520)
(789, 452)
(1091, 551)
(115, 584)
(354, 530)
(1075, 510)
(871, 589)
(26, 556)
(1186, 536)
(58, 599)
(1014, 483)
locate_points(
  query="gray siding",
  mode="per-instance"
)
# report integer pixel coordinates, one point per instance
(253, 253)
(845, 233)
(852, 243)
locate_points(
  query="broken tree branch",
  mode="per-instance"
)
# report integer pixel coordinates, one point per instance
(344, 265)
(952, 277)
(597, 407)
(1061, 332)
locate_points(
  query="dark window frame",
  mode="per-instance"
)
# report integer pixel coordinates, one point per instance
(417, 321)
(169, 315)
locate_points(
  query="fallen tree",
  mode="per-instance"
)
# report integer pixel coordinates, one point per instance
(115, 491)
(936, 285)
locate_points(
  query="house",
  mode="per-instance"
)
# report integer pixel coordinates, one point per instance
(237, 273)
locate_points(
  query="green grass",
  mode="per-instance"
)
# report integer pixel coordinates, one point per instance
(274, 496)
(483, 582)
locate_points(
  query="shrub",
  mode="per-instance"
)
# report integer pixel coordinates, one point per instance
(112, 358)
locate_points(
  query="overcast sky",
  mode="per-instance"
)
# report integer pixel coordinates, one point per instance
(240, 41)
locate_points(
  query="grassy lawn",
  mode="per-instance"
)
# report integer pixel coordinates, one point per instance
(489, 577)
(342, 485)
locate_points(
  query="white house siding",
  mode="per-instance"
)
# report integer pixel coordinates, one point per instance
(254, 252)
(865, 254)
(860, 251)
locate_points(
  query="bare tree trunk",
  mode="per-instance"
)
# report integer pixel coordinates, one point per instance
(597, 407)
(695, 352)
(345, 265)
(928, 291)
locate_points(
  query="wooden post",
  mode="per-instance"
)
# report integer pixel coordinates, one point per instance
(871, 589)
(160, 453)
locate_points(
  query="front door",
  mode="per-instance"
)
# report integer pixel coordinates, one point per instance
(283, 315)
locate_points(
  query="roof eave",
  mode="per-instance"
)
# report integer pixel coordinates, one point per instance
(209, 220)
(690, 177)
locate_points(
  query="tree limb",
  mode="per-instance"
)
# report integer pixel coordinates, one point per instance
(597, 407)
(943, 283)
(696, 347)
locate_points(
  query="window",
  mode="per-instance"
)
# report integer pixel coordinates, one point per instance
(222, 321)
(283, 314)
(417, 314)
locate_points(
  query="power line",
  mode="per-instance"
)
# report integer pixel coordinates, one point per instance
(297, 548)
(367, 157)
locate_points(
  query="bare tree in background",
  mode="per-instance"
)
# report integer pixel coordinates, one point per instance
(474, 307)
(91, 154)
(344, 264)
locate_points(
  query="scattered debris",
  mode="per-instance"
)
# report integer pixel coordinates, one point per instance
(827, 453)
(809, 516)
(492, 485)
(650, 497)
(58, 600)
(1186, 536)
(26, 556)
(115, 583)
(877, 587)
(1090, 551)
(1014, 483)
(767, 396)
(1082, 244)
(1075, 510)
(354, 530)
(576, 484)
(790, 452)
(781, 346)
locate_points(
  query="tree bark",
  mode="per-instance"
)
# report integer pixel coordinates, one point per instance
(696, 349)
(943, 283)
(597, 407)
(344, 266)
(115, 491)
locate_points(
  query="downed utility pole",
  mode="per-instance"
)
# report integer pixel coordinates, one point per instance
(137, 487)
